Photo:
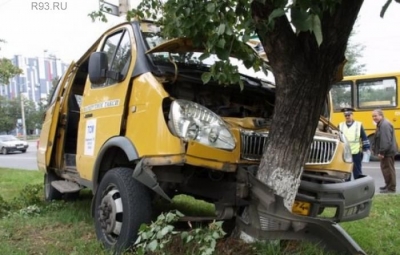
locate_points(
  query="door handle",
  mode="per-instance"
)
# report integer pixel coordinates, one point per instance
(88, 115)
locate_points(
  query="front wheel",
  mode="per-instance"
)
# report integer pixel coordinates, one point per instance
(4, 151)
(122, 204)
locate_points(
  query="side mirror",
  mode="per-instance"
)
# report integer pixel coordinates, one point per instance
(98, 67)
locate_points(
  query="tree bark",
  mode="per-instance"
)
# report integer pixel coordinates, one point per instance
(303, 74)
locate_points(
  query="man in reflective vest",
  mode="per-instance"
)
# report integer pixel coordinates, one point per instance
(355, 134)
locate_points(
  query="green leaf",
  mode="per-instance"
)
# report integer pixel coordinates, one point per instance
(202, 57)
(221, 29)
(206, 77)
(152, 246)
(189, 238)
(211, 7)
(222, 54)
(317, 29)
(187, 11)
(221, 43)
(228, 31)
(301, 20)
(138, 240)
(184, 235)
(215, 235)
(161, 217)
(276, 13)
(246, 37)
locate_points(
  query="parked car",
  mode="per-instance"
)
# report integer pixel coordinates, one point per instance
(9, 143)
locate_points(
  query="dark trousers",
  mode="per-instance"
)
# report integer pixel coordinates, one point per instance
(388, 172)
(357, 158)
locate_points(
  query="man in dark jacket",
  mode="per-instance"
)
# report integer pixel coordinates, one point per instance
(385, 146)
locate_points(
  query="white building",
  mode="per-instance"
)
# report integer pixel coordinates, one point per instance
(36, 80)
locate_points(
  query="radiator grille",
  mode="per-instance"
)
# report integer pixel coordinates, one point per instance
(321, 152)
(252, 144)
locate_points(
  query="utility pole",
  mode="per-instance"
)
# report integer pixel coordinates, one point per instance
(23, 116)
(118, 10)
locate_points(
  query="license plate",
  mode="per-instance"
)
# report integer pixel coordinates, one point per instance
(302, 208)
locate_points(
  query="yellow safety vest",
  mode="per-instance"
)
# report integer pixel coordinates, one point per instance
(352, 134)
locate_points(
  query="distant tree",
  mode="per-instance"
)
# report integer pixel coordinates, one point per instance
(353, 56)
(9, 114)
(7, 69)
(31, 116)
(38, 116)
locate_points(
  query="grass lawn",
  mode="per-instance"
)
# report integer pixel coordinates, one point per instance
(12, 181)
(67, 227)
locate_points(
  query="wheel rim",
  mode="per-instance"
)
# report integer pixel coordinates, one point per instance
(110, 214)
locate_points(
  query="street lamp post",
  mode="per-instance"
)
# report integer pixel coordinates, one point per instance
(23, 117)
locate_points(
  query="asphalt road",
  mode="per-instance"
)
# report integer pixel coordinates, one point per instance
(20, 160)
(28, 161)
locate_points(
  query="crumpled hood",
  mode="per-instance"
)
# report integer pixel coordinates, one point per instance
(247, 123)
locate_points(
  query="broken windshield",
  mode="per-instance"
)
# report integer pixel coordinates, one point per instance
(185, 55)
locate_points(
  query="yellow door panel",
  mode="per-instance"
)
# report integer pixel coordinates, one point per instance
(103, 106)
(49, 128)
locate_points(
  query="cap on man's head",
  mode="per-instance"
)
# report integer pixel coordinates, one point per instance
(348, 110)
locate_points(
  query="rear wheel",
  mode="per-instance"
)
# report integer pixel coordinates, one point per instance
(50, 193)
(122, 204)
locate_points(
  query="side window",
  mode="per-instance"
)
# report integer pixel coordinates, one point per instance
(341, 95)
(118, 49)
(54, 93)
(377, 93)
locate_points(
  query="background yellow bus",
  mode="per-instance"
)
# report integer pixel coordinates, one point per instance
(365, 93)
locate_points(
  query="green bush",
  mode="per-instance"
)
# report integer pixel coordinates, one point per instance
(4, 207)
(159, 238)
(29, 195)
(27, 202)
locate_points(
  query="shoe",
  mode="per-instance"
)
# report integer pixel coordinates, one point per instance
(383, 188)
(388, 191)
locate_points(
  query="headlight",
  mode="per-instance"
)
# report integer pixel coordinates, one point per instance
(347, 156)
(192, 121)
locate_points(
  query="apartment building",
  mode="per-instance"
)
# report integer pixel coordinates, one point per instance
(35, 83)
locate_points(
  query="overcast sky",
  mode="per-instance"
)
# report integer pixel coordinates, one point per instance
(69, 33)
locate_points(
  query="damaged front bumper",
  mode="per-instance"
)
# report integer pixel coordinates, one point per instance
(337, 202)
(266, 218)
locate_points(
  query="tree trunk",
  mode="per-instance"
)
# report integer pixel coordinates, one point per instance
(303, 74)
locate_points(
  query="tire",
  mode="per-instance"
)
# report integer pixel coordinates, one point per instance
(50, 193)
(4, 151)
(373, 157)
(122, 204)
(23, 151)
